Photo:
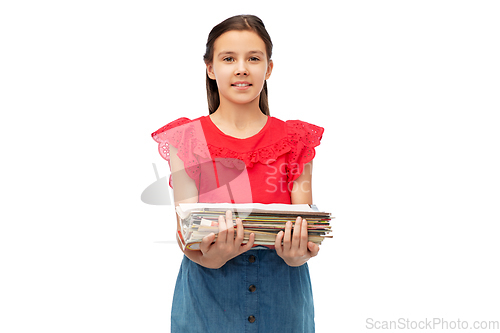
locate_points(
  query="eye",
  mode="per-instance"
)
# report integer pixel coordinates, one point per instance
(254, 59)
(228, 59)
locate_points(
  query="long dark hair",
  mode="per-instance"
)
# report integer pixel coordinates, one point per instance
(238, 22)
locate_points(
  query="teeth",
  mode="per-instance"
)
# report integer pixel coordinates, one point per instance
(242, 85)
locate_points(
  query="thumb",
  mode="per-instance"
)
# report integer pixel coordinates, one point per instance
(313, 248)
(206, 242)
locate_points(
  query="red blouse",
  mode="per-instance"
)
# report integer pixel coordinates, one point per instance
(258, 169)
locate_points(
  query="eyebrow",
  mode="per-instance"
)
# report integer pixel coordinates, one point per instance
(249, 52)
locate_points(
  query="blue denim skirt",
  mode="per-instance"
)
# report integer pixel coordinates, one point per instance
(254, 292)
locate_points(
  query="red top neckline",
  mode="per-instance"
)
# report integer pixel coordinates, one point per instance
(259, 133)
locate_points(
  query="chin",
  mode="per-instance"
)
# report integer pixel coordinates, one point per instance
(245, 99)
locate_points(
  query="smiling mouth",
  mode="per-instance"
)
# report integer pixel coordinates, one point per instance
(241, 85)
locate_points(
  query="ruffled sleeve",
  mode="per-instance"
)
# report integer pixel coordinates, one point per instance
(187, 136)
(303, 138)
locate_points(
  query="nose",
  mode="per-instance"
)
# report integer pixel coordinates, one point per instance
(241, 69)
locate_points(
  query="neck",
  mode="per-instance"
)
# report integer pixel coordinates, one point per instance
(239, 115)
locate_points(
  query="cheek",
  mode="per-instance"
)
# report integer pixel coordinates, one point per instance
(222, 73)
(263, 72)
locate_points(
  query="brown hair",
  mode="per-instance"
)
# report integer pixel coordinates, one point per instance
(238, 22)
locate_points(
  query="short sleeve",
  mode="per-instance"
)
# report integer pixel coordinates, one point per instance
(303, 139)
(187, 136)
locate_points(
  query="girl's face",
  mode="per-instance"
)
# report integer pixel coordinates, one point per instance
(239, 66)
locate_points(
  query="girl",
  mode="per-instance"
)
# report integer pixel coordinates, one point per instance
(239, 153)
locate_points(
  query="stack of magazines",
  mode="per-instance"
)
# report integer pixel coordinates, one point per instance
(264, 220)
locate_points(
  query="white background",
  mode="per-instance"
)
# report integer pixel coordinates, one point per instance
(408, 94)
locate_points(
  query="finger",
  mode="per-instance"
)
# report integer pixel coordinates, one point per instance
(249, 245)
(313, 248)
(206, 242)
(277, 243)
(221, 237)
(296, 232)
(240, 232)
(304, 236)
(230, 227)
(287, 239)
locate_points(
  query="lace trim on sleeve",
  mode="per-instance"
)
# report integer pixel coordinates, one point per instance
(187, 137)
(303, 138)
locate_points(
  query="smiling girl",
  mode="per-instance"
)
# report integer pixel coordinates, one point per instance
(240, 154)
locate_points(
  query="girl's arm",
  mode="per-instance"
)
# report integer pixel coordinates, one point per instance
(296, 250)
(227, 246)
(184, 192)
(302, 190)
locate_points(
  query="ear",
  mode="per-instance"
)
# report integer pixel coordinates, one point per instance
(210, 71)
(269, 69)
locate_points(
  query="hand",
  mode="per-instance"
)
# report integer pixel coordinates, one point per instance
(226, 246)
(296, 250)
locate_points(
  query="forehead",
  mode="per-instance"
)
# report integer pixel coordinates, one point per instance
(239, 41)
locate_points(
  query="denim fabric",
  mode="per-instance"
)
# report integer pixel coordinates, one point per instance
(254, 292)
